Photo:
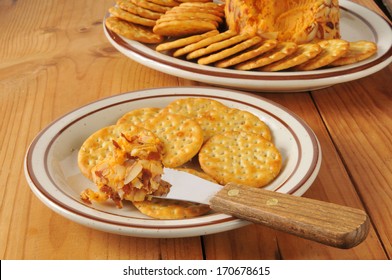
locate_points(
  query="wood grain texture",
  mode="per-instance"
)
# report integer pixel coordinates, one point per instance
(358, 116)
(54, 58)
(324, 222)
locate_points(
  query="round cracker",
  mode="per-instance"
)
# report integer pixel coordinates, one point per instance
(195, 1)
(358, 51)
(185, 41)
(282, 50)
(216, 122)
(139, 116)
(177, 28)
(203, 43)
(252, 52)
(217, 46)
(132, 31)
(140, 11)
(251, 160)
(195, 107)
(99, 145)
(304, 53)
(185, 9)
(192, 15)
(180, 18)
(229, 51)
(182, 137)
(331, 51)
(168, 209)
(127, 16)
(214, 117)
(168, 3)
(151, 6)
(204, 3)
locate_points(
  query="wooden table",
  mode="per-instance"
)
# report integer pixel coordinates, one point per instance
(54, 58)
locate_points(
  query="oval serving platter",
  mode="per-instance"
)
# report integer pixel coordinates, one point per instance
(356, 23)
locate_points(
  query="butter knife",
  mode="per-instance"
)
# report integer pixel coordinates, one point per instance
(324, 222)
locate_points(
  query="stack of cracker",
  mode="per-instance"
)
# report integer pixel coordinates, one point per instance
(197, 135)
(150, 21)
(246, 52)
(190, 18)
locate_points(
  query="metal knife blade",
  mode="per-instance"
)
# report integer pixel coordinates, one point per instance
(186, 186)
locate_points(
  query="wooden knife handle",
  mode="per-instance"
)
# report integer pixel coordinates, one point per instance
(324, 222)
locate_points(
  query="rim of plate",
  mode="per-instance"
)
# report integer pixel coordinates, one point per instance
(349, 7)
(44, 185)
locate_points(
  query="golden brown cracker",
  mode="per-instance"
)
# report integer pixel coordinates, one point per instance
(182, 137)
(177, 28)
(304, 53)
(191, 15)
(358, 51)
(252, 52)
(203, 43)
(229, 51)
(189, 9)
(127, 16)
(331, 51)
(127, 5)
(195, 1)
(217, 122)
(180, 18)
(168, 209)
(281, 50)
(214, 117)
(217, 46)
(203, 3)
(139, 116)
(151, 6)
(167, 3)
(132, 31)
(193, 107)
(99, 145)
(240, 157)
(185, 41)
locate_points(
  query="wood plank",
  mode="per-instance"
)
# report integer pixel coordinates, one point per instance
(51, 236)
(360, 125)
(54, 68)
(332, 184)
(252, 242)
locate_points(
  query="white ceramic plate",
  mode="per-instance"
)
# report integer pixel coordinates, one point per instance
(357, 23)
(53, 175)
